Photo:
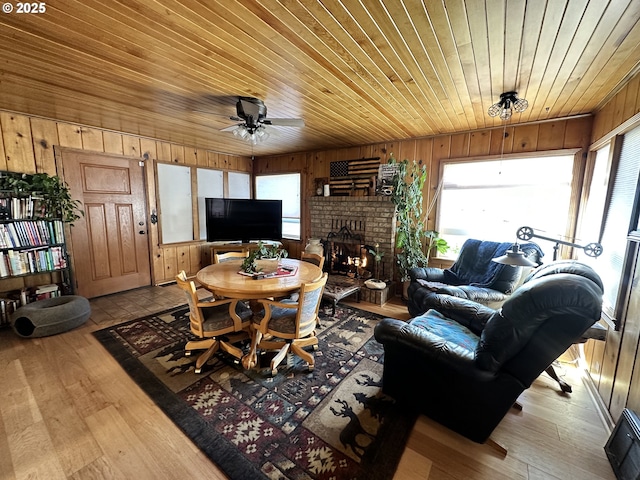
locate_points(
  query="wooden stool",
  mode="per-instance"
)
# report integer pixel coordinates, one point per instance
(339, 287)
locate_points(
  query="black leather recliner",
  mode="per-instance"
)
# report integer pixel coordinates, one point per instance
(465, 364)
(473, 276)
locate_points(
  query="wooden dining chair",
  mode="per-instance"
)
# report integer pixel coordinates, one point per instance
(219, 324)
(316, 259)
(222, 257)
(290, 326)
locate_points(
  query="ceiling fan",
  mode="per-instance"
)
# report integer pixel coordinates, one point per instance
(255, 126)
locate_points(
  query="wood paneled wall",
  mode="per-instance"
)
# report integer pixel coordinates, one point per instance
(553, 135)
(27, 145)
(620, 108)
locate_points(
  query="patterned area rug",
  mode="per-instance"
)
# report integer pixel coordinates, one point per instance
(332, 423)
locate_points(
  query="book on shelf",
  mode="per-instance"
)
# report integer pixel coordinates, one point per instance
(27, 207)
(31, 233)
(5, 208)
(33, 260)
(7, 307)
(46, 291)
(4, 265)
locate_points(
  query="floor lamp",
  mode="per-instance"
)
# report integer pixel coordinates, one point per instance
(592, 249)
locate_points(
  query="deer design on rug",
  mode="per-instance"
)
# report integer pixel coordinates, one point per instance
(353, 429)
(377, 404)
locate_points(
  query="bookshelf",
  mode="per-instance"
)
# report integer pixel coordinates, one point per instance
(28, 247)
(34, 262)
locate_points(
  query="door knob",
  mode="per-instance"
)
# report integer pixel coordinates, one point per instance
(142, 232)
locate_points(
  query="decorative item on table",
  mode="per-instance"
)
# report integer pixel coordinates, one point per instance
(314, 245)
(319, 184)
(269, 255)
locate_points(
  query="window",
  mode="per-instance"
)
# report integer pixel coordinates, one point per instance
(619, 220)
(285, 187)
(492, 199)
(210, 185)
(591, 221)
(239, 185)
(176, 217)
(175, 198)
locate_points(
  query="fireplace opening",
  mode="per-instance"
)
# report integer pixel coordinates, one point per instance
(347, 254)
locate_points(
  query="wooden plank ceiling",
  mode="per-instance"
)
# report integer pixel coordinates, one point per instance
(357, 72)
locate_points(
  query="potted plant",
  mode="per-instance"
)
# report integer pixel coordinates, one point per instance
(407, 196)
(50, 190)
(263, 259)
(435, 243)
(57, 197)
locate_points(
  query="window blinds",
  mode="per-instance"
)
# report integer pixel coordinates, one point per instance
(618, 220)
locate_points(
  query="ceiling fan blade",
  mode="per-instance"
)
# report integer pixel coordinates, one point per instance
(284, 122)
(272, 131)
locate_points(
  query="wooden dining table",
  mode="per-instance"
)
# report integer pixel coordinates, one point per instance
(224, 280)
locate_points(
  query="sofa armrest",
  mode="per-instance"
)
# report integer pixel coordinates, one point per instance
(429, 274)
(424, 346)
(452, 302)
(472, 315)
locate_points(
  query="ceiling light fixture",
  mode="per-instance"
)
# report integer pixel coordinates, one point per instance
(252, 134)
(509, 102)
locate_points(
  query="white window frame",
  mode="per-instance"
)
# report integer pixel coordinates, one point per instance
(236, 184)
(285, 218)
(516, 224)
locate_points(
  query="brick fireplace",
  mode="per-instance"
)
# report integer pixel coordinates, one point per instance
(370, 220)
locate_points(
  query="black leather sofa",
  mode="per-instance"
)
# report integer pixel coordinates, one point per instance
(465, 364)
(473, 276)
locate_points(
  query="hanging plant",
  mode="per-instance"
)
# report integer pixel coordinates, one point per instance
(407, 196)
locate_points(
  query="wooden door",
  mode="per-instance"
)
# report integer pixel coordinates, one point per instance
(109, 244)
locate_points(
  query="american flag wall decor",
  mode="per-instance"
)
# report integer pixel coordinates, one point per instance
(353, 177)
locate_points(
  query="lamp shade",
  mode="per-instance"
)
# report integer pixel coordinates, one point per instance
(515, 257)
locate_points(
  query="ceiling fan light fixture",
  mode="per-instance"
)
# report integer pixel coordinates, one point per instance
(251, 134)
(241, 131)
(253, 112)
(262, 134)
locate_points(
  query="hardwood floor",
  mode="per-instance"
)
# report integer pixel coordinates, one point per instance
(69, 411)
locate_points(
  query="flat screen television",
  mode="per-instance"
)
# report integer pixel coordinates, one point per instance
(231, 219)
